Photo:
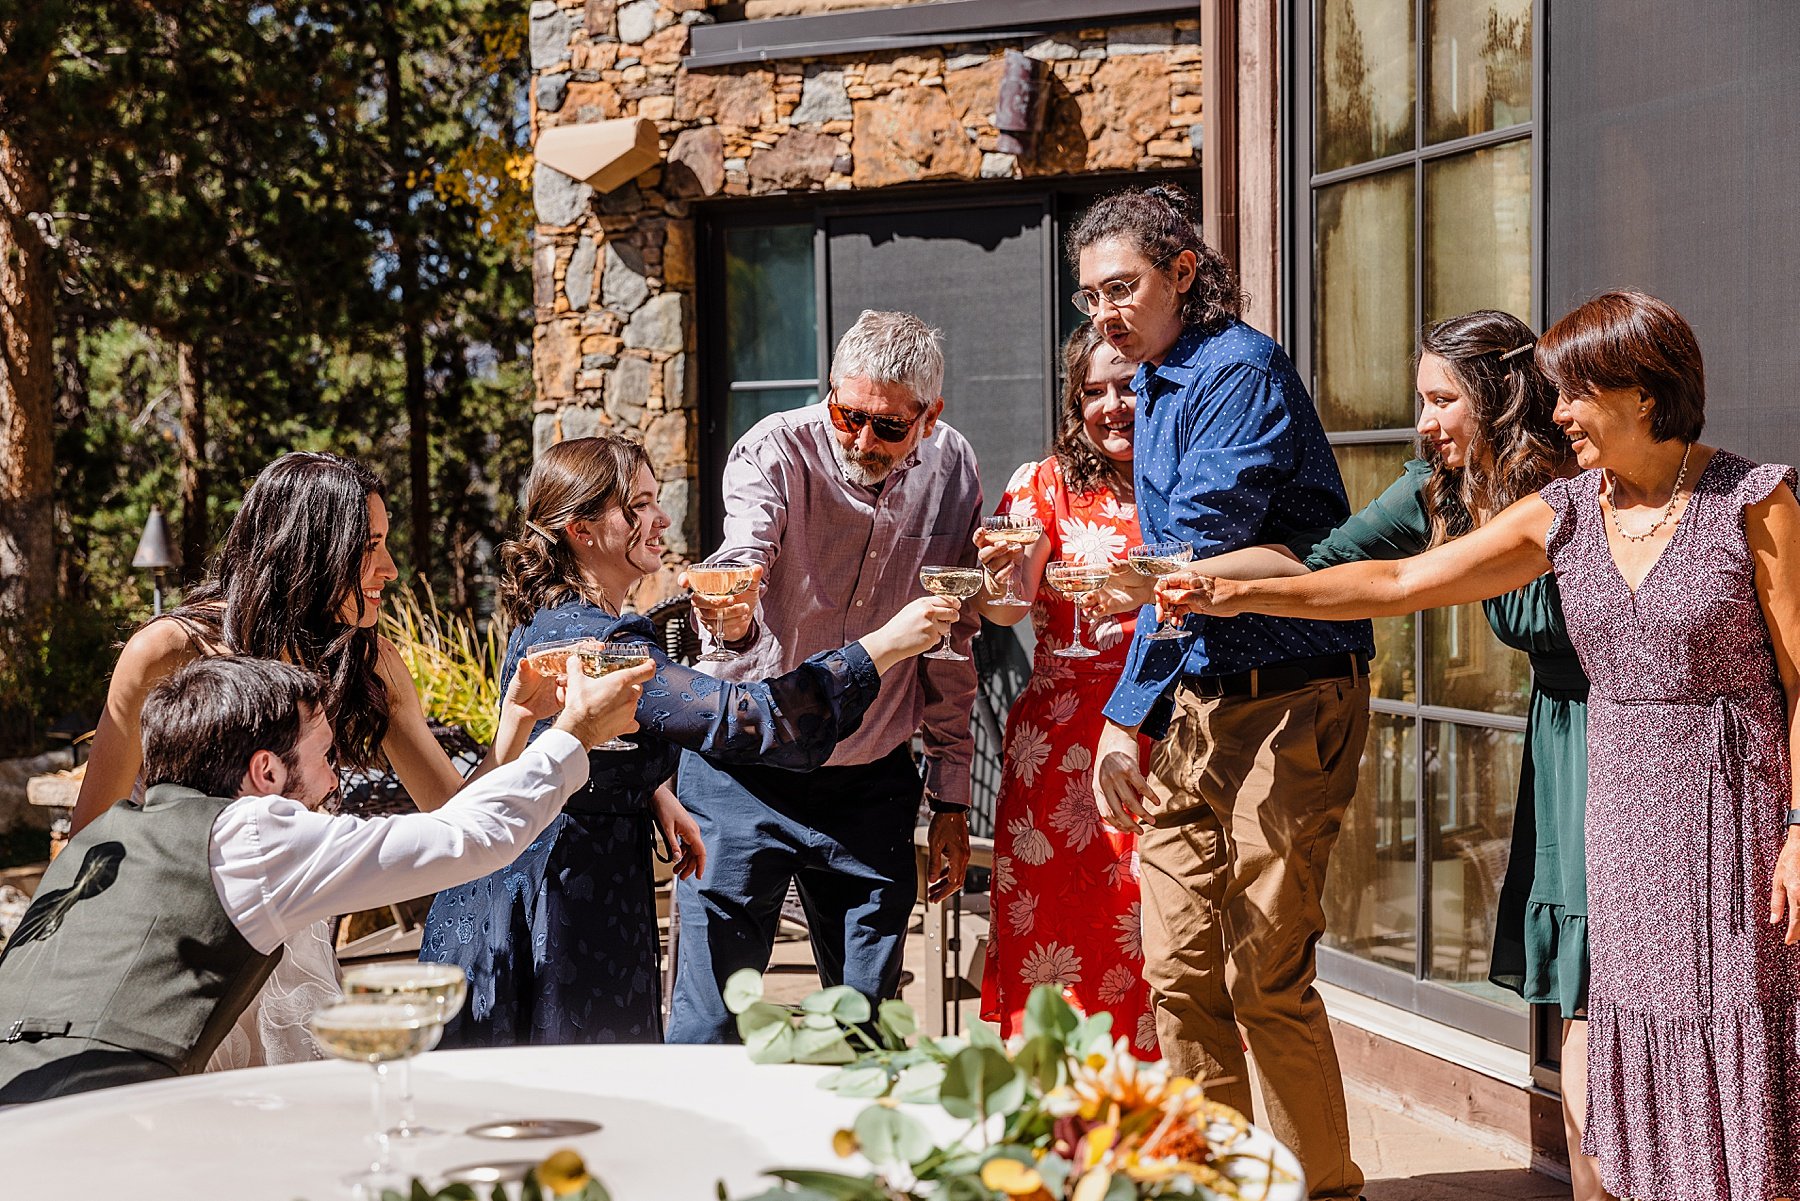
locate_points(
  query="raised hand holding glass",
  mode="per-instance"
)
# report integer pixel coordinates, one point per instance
(719, 582)
(1019, 531)
(958, 582)
(1155, 559)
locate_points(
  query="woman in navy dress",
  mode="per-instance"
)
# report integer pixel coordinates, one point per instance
(561, 946)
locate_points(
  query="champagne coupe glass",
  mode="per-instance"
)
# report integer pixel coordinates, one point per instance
(1075, 579)
(376, 1033)
(1015, 530)
(552, 658)
(604, 658)
(1158, 559)
(438, 987)
(959, 582)
(598, 658)
(718, 582)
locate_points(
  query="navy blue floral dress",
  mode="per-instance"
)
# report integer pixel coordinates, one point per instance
(561, 946)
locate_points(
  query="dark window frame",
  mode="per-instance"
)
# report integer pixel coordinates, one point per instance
(1298, 187)
(1061, 196)
(910, 26)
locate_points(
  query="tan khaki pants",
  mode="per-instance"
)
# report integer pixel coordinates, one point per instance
(1255, 789)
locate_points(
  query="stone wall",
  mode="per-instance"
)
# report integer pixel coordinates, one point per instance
(614, 274)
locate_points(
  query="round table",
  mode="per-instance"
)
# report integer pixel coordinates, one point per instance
(674, 1121)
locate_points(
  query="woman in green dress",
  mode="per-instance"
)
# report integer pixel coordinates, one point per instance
(1486, 439)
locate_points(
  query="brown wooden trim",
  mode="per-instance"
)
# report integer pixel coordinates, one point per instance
(1218, 109)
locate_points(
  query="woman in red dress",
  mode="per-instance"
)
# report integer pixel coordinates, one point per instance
(1065, 892)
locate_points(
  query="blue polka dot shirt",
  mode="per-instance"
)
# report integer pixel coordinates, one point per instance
(1230, 453)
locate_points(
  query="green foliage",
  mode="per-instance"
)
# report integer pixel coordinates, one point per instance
(239, 177)
(1066, 1114)
(454, 665)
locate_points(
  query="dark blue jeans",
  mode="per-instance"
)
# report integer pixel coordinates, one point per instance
(843, 834)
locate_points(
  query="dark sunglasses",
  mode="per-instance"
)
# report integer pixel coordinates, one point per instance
(888, 429)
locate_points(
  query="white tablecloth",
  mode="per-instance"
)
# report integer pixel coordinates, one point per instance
(674, 1121)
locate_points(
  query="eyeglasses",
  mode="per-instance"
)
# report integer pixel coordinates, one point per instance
(1116, 292)
(888, 429)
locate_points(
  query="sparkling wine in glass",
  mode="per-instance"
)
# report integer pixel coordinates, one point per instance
(1159, 559)
(376, 1033)
(1075, 579)
(552, 658)
(434, 987)
(1015, 530)
(604, 658)
(718, 583)
(958, 582)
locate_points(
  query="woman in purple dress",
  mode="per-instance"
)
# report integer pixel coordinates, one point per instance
(1687, 621)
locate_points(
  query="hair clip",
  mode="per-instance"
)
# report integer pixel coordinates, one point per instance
(539, 530)
(1516, 351)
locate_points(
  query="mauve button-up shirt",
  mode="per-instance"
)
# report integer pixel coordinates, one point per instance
(840, 559)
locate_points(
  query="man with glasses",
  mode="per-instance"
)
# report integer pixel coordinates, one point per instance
(840, 504)
(1259, 721)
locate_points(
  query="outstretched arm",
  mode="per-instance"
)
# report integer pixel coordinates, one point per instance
(1506, 553)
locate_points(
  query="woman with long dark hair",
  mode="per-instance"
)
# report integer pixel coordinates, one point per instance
(561, 946)
(299, 578)
(1684, 608)
(1065, 892)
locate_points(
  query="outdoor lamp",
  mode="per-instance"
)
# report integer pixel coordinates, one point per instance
(154, 555)
(601, 154)
(1019, 107)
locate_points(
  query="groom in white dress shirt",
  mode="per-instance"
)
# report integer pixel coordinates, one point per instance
(157, 924)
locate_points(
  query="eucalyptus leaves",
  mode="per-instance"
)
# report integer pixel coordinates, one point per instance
(1063, 1114)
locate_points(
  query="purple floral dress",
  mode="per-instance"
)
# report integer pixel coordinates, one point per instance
(1693, 1034)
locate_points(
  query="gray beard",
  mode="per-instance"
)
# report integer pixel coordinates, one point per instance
(854, 471)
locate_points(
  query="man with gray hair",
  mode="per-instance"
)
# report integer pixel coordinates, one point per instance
(839, 504)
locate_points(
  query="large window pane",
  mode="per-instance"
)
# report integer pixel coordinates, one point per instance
(1363, 303)
(1368, 470)
(1372, 892)
(771, 314)
(1472, 780)
(1478, 232)
(1466, 667)
(1363, 78)
(748, 406)
(1480, 66)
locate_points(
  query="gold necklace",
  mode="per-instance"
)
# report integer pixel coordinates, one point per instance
(1612, 492)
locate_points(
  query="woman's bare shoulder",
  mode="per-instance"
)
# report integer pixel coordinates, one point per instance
(161, 647)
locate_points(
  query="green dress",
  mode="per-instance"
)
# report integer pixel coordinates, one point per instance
(1540, 932)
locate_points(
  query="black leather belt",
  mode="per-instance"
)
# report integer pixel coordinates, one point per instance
(1285, 676)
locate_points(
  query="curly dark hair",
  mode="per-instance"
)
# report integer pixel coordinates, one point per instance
(1084, 468)
(278, 588)
(579, 480)
(1516, 448)
(1159, 223)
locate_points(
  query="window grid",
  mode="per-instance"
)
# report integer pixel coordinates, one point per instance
(1303, 22)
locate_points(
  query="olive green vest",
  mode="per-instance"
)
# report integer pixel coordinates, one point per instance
(126, 967)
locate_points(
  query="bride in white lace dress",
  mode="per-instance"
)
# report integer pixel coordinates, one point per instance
(300, 578)
(273, 1029)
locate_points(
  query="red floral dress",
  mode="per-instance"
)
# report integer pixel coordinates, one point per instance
(1065, 892)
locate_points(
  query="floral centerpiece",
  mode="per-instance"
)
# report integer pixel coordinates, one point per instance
(1063, 1112)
